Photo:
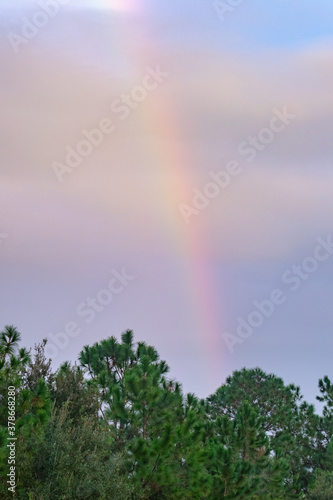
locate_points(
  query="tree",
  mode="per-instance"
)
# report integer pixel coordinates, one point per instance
(322, 488)
(9, 340)
(291, 426)
(38, 368)
(71, 388)
(72, 460)
(148, 417)
(117, 427)
(239, 459)
(32, 407)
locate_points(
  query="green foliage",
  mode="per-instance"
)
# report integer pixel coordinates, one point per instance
(117, 427)
(240, 461)
(38, 368)
(295, 432)
(32, 407)
(72, 461)
(323, 486)
(147, 418)
(70, 387)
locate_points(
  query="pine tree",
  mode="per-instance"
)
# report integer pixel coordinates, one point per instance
(148, 418)
(291, 426)
(32, 407)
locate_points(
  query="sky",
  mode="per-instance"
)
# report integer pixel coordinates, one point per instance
(166, 168)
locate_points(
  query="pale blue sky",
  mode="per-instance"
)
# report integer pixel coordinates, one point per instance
(119, 208)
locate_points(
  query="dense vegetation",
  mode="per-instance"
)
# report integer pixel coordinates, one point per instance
(114, 426)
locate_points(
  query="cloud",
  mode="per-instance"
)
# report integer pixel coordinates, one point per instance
(217, 99)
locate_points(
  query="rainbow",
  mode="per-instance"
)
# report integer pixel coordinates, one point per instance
(159, 118)
(190, 240)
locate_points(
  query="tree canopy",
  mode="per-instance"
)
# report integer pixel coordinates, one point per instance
(115, 425)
